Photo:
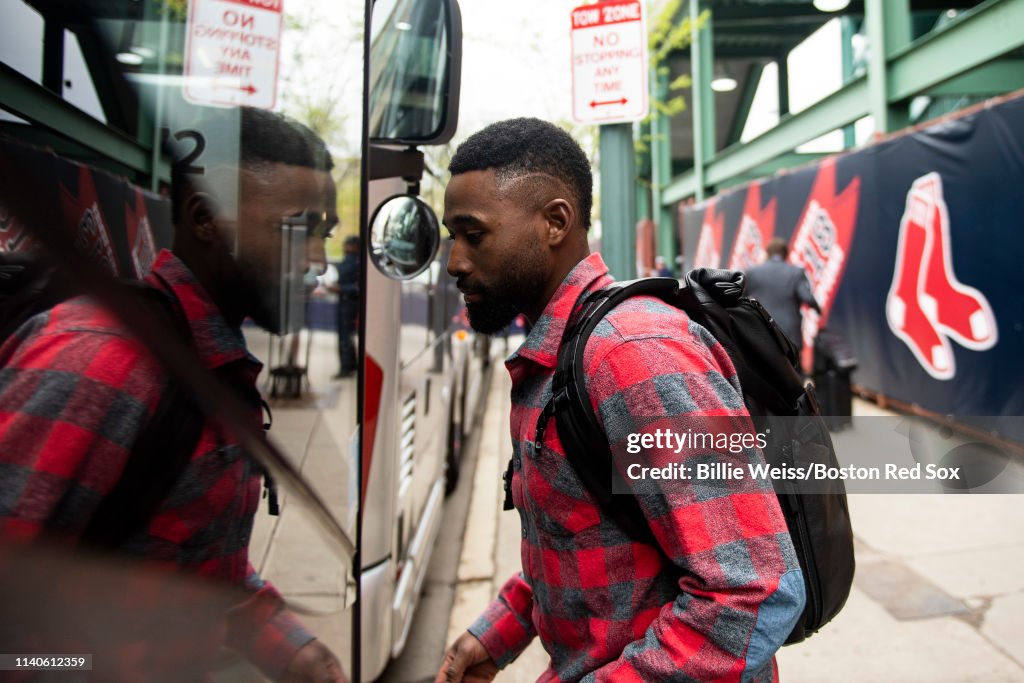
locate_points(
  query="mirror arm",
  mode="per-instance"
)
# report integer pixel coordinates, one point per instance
(387, 162)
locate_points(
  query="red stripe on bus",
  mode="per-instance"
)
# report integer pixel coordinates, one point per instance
(373, 377)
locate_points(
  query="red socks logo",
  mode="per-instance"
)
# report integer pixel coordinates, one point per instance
(927, 305)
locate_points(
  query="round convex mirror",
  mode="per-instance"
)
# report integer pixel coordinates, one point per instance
(404, 237)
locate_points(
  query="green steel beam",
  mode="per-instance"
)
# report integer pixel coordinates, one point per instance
(23, 97)
(976, 37)
(847, 31)
(835, 111)
(618, 201)
(784, 162)
(888, 26)
(661, 172)
(739, 121)
(706, 44)
(1005, 75)
(699, 90)
(782, 62)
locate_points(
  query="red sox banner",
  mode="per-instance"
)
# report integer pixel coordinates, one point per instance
(109, 221)
(914, 250)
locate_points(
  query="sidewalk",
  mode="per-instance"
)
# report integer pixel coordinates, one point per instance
(938, 595)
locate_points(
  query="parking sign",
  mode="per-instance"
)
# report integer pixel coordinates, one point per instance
(609, 62)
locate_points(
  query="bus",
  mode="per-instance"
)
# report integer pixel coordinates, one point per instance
(102, 104)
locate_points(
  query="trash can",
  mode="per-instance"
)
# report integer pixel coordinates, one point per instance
(834, 364)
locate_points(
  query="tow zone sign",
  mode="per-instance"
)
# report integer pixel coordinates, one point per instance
(609, 62)
(232, 50)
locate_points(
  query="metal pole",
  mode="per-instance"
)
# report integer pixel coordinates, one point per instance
(696, 76)
(618, 200)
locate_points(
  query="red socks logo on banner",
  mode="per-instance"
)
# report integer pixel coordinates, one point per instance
(927, 305)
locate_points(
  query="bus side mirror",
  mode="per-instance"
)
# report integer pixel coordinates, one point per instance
(404, 237)
(415, 66)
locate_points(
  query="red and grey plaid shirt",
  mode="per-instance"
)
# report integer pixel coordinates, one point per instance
(608, 607)
(75, 391)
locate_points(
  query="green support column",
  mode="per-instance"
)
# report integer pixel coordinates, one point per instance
(644, 183)
(618, 200)
(847, 31)
(888, 24)
(661, 173)
(782, 62)
(703, 103)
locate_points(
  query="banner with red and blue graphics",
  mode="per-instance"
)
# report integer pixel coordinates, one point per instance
(110, 221)
(914, 248)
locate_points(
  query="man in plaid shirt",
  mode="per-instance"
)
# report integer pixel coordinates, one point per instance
(77, 388)
(719, 589)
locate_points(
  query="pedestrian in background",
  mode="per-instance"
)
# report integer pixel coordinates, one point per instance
(781, 288)
(347, 289)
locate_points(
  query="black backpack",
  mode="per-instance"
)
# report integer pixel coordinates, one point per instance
(765, 361)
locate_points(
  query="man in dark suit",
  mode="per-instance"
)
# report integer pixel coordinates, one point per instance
(347, 289)
(781, 288)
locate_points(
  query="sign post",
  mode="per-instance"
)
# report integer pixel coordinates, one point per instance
(610, 88)
(232, 50)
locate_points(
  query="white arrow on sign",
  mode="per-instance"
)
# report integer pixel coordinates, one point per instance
(232, 51)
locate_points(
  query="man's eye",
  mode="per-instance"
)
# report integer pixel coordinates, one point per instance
(474, 237)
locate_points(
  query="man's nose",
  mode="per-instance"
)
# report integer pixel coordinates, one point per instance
(458, 264)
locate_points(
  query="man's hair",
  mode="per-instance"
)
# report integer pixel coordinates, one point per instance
(527, 146)
(272, 138)
(264, 138)
(777, 247)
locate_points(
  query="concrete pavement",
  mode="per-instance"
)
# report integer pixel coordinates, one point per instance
(938, 595)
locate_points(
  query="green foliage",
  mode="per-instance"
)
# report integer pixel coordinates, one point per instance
(175, 10)
(671, 30)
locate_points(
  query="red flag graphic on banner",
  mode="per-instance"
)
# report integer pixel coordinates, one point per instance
(140, 235)
(821, 244)
(82, 214)
(757, 226)
(709, 244)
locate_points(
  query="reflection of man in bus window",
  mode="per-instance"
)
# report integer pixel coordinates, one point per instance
(78, 389)
(719, 589)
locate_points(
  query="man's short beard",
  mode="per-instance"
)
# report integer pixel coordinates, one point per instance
(520, 286)
(491, 316)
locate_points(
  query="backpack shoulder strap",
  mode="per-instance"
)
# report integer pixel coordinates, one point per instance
(160, 454)
(586, 446)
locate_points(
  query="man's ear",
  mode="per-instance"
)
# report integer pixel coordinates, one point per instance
(201, 217)
(560, 217)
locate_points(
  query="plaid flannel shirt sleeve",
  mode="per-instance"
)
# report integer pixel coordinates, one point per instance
(506, 628)
(264, 630)
(740, 586)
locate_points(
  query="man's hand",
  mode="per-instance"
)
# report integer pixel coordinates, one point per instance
(314, 663)
(467, 662)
